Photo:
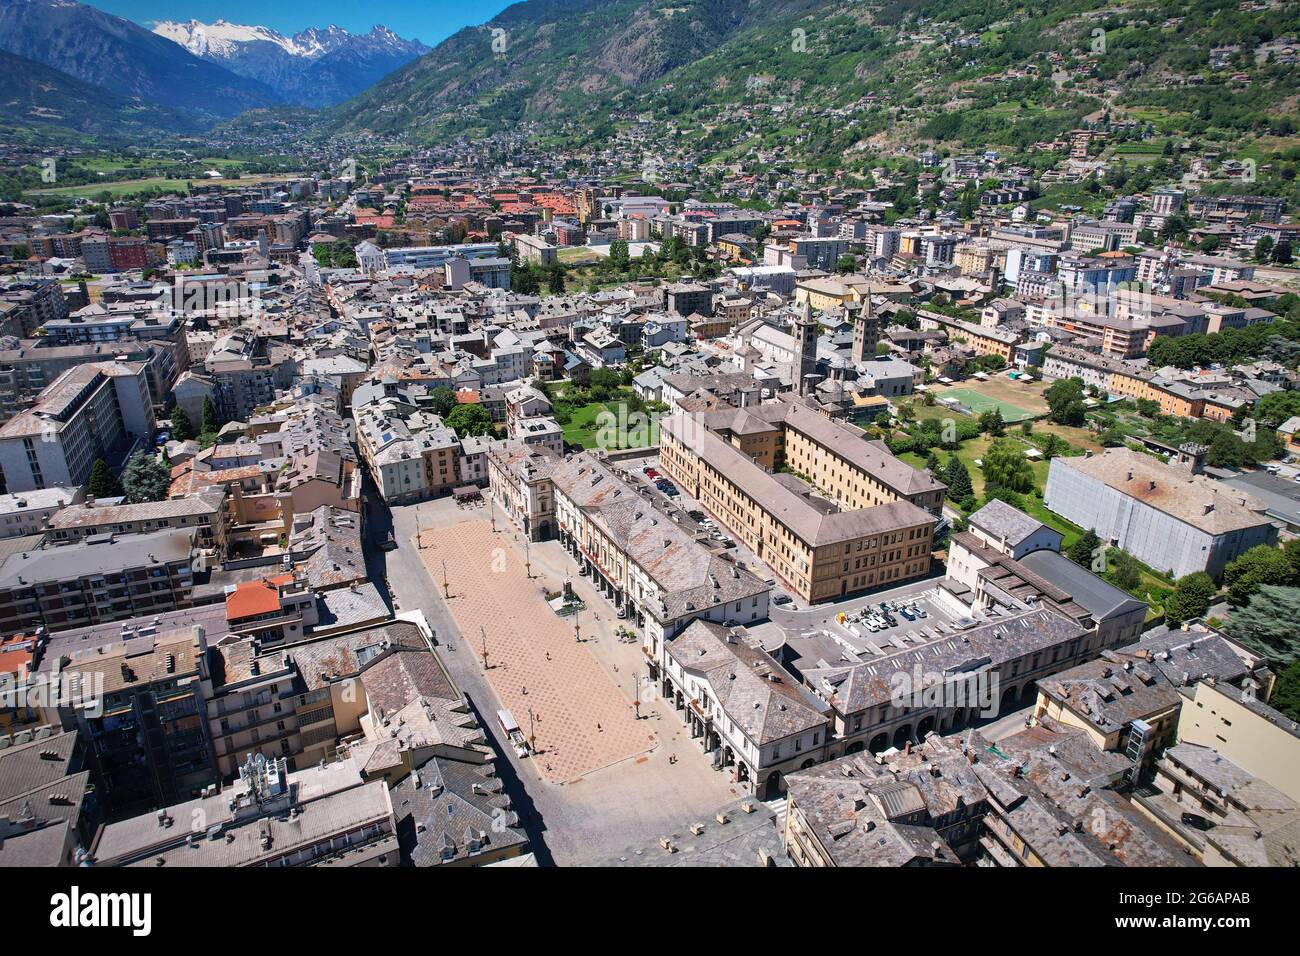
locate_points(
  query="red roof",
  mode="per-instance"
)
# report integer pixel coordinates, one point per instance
(16, 656)
(253, 598)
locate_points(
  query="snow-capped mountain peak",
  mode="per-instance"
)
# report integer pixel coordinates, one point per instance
(300, 66)
(221, 39)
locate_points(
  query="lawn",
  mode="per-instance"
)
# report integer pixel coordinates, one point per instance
(967, 453)
(975, 449)
(127, 186)
(576, 256)
(582, 427)
(628, 429)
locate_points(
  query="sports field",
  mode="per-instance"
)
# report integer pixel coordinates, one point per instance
(980, 403)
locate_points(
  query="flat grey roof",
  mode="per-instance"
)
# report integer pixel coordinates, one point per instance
(75, 561)
(1101, 598)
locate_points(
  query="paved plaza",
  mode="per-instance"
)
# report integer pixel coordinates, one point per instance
(581, 719)
(577, 820)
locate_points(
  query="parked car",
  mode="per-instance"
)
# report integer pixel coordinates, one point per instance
(782, 599)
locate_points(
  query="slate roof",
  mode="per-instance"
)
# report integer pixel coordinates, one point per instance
(862, 816)
(754, 691)
(808, 518)
(1052, 787)
(691, 577)
(856, 686)
(1144, 678)
(449, 811)
(1000, 520)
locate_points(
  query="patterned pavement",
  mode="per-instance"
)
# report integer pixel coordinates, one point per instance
(582, 720)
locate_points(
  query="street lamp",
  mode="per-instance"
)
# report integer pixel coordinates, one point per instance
(446, 587)
(483, 637)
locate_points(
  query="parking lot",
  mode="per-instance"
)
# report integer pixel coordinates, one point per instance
(937, 620)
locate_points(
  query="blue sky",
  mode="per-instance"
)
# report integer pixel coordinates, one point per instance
(426, 20)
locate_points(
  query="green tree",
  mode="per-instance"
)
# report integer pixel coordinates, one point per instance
(442, 401)
(1006, 467)
(1266, 625)
(103, 483)
(470, 419)
(1191, 598)
(1276, 407)
(992, 423)
(1082, 551)
(145, 478)
(1286, 691)
(1065, 401)
(1292, 551)
(1054, 445)
(1259, 566)
(211, 421)
(958, 479)
(555, 280)
(618, 255)
(182, 427)
(1122, 570)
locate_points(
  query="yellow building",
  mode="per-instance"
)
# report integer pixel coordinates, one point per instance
(830, 512)
(1254, 736)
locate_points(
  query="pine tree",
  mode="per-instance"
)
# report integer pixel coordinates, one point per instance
(1081, 551)
(211, 423)
(103, 483)
(145, 478)
(1267, 624)
(958, 479)
(182, 427)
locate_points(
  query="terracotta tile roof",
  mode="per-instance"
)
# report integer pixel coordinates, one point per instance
(255, 597)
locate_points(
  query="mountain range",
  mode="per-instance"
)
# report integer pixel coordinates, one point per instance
(311, 68)
(807, 80)
(821, 79)
(73, 67)
(123, 58)
(49, 103)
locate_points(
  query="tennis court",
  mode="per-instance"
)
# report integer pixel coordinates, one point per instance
(980, 403)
